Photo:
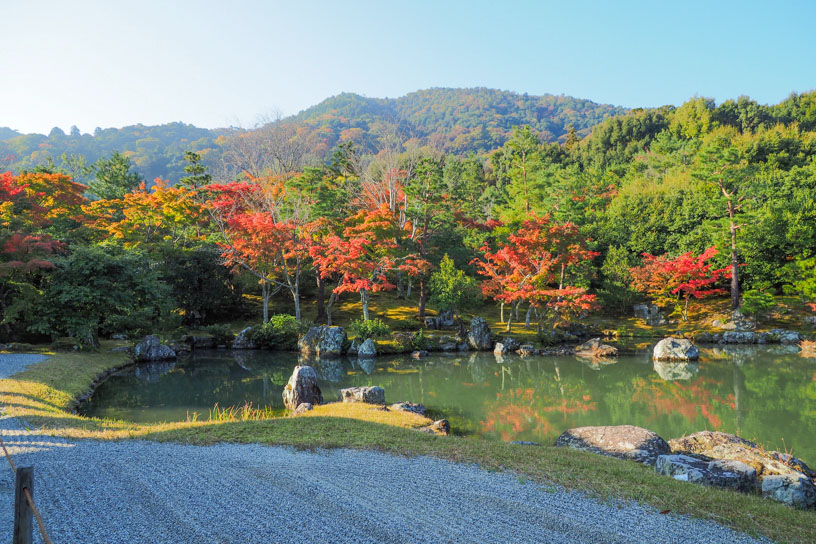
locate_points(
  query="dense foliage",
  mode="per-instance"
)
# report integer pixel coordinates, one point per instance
(708, 193)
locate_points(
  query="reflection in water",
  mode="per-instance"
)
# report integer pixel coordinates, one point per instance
(673, 370)
(761, 393)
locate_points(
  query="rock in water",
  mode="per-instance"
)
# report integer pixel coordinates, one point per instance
(242, 341)
(369, 395)
(596, 348)
(151, 349)
(719, 473)
(367, 350)
(323, 341)
(675, 349)
(302, 388)
(622, 441)
(478, 335)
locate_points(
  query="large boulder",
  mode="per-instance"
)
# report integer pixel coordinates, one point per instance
(302, 388)
(785, 336)
(791, 480)
(367, 350)
(242, 340)
(675, 349)
(676, 370)
(595, 348)
(369, 395)
(791, 489)
(151, 349)
(718, 473)
(478, 336)
(621, 441)
(323, 341)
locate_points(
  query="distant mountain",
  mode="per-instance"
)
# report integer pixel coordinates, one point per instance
(453, 120)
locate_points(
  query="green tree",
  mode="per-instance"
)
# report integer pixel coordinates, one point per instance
(197, 173)
(451, 289)
(113, 177)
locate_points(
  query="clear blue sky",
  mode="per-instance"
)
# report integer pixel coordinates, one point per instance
(225, 63)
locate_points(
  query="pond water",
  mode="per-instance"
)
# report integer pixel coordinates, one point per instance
(767, 394)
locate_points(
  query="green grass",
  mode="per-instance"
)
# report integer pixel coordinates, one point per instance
(42, 395)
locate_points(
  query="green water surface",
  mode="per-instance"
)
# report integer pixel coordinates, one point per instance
(767, 394)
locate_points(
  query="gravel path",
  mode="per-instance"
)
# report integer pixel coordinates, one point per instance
(144, 492)
(12, 363)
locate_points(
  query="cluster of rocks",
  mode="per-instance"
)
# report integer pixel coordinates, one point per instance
(302, 394)
(650, 314)
(708, 458)
(441, 321)
(773, 336)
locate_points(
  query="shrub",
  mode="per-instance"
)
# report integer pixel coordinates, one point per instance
(757, 303)
(452, 289)
(222, 335)
(281, 332)
(420, 341)
(373, 328)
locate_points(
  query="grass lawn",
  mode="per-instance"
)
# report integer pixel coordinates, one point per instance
(44, 394)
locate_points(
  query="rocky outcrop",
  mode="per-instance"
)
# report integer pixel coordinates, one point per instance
(773, 336)
(595, 348)
(718, 473)
(791, 489)
(440, 427)
(242, 340)
(676, 370)
(675, 349)
(441, 321)
(323, 341)
(621, 441)
(478, 336)
(302, 388)
(151, 349)
(409, 407)
(367, 350)
(789, 480)
(650, 314)
(738, 322)
(369, 395)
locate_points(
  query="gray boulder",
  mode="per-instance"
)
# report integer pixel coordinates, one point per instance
(525, 350)
(409, 407)
(367, 350)
(151, 349)
(478, 336)
(621, 441)
(369, 395)
(323, 341)
(786, 337)
(242, 340)
(595, 348)
(738, 337)
(675, 349)
(440, 427)
(674, 370)
(302, 388)
(718, 473)
(791, 489)
(302, 408)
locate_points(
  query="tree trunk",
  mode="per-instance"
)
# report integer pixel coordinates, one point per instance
(400, 285)
(329, 306)
(265, 295)
(296, 297)
(509, 321)
(501, 318)
(321, 297)
(423, 296)
(364, 297)
(515, 309)
(735, 294)
(409, 288)
(527, 318)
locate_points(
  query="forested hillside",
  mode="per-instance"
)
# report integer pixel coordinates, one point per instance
(454, 120)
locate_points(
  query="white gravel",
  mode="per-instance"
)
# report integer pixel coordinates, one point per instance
(145, 492)
(12, 363)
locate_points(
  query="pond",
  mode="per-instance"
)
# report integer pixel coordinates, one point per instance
(766, 394)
